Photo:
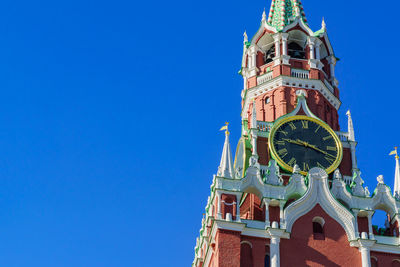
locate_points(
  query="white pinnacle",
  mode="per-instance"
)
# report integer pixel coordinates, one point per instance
(225, 168)
(396, 190)
(264, 16)
(323, 24)
(350, 127)
(245, 38)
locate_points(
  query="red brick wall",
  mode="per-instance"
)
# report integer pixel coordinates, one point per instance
(302, 250)
(259, 249)
(262, 150)
(385, 259)
(227, 248)
(362, 224)
(346, 166)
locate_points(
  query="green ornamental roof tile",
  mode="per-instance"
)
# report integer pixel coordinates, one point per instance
(284, 12)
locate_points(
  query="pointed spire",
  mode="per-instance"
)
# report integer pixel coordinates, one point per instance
(245, 38)
(225, 168)
(396, 190)
(264, 16)
(350, 127)
(284, 12)
(323, 24)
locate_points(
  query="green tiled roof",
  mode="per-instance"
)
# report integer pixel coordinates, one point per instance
(284, 12)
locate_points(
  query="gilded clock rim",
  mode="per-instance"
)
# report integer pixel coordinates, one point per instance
(321, 123)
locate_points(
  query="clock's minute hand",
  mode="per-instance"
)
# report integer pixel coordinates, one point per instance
(314, 147)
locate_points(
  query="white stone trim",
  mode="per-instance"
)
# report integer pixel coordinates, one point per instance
(318, 193)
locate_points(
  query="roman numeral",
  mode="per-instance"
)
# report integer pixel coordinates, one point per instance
(304, 124)
(331, 148)
(327, 137)
(280, 142)
(319, 126)
(282, 152)
(291, 124)
(329, 159)
(283, 132)
(292, 161)
(320, 165)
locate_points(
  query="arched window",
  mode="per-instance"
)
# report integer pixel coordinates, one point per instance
(246, 254)
(296, 51)
(374, 262)
(267, 261)
(267, 100)
(396, 263)
(318, 228)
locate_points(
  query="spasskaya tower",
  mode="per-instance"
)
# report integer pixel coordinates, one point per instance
(293, 195)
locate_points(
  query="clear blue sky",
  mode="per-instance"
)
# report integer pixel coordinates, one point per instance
(110, 110)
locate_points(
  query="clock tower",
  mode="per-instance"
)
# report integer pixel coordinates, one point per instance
(293, 195)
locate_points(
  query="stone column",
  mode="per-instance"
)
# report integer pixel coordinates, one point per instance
(281, 219)
(353, 155)
(371, 233)
(238, 196)
(285, 44)
(365, 247)
(332, 63)
(274, 251)
(219, 214)
(276, 235)
(311, 44)
(266, 203)
(355, 213)
(277, 39)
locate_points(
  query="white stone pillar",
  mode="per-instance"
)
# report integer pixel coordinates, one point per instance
(274, 251)
(275, 238)
(219, 202)
(277, 39)
(311, 44)
(353, 155)
(332, 64)
(238, 196)
(318, 51)
(267, 223)
(371, 233)
(253, 57)
(365, 247)
(285, 44)
(355, 212)
(365, 257)
(281, 219)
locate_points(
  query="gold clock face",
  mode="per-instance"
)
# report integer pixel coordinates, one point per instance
(307, 142)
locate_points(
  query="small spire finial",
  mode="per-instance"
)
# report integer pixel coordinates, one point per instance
(225, 128)
(396, 191)
(323, 23)
(350, 127)
(264, 16)
(245, 38)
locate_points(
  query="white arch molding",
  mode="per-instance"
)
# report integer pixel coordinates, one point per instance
(318, 193)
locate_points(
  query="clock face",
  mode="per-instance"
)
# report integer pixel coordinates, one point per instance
(307, 142)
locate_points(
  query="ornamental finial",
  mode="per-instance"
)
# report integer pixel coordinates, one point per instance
(394, 152)
(225, 128)
(264, 16)
(323, 23)
(245, 38)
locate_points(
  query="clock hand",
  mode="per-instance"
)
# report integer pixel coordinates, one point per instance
(314, 147)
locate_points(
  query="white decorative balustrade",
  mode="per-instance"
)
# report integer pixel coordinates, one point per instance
(298, 73)
(264, 78)
(343, 136)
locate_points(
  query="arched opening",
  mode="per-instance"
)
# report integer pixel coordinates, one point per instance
(381, 222)
(267, 261)
(296, 51)
(396, 263)
(246, 254)
(318, 228)
(374, 262)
